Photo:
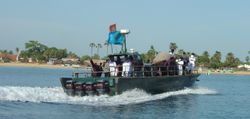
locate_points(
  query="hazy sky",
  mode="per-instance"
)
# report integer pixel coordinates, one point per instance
(195, 25)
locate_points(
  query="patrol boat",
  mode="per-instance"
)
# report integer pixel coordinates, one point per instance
(158, 77)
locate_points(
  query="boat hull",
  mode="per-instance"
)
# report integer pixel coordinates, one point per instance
(153, 85)
(156, 85)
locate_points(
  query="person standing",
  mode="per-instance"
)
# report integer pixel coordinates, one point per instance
(191, 64)
(106, 68)
(96, 69)
(112, 67)
(180, 66)
(126, 68)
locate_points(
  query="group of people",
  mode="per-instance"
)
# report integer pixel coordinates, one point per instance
(113, 68)
(125, 68)
(118, 68)
(186, 64)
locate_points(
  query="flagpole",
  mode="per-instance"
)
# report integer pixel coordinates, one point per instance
(125, 43)
(124, 32)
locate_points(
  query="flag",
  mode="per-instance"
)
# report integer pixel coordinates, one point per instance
(116, 38)
(112, 28)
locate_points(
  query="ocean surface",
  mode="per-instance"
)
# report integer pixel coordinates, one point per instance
(35, 93)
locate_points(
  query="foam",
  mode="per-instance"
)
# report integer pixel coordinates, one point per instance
(56, 95)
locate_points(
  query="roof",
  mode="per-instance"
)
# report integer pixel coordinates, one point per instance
(9, 56)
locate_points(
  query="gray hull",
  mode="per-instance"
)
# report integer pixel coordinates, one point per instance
(153, 85)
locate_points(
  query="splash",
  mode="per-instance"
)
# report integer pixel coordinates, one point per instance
(56, 95)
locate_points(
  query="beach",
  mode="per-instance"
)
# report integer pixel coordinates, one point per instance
(37, 65)
(226, 72)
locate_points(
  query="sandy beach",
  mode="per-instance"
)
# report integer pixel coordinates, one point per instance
(33, 65)
(228, 73)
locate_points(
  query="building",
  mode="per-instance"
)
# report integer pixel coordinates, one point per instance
(71, 60)
(244, 66)
(8, 57)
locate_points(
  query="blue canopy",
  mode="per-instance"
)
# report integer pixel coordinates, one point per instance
(116, 38)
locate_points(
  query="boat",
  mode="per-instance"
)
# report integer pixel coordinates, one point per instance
(154, 78)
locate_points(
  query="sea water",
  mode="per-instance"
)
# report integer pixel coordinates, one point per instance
(35, 93)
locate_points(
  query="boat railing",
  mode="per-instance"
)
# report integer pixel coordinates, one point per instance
(138, 71)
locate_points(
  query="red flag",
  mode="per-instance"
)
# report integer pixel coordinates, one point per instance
(112, 28)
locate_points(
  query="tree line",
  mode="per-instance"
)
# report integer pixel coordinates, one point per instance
(214, 61)
(41, 53)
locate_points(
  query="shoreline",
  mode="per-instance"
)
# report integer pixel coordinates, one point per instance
(36, 65)
(246, 73)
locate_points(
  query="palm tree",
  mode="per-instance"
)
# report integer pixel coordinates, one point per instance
(215, 60)
(247, 59)
(180, 52)
(98, 46)
(173, 47)
(92, 45)
(151, 53)
(107, 44)
(17, 52)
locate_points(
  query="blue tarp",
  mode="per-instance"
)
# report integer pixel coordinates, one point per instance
(116, 38)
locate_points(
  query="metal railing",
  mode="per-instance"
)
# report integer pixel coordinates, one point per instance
(139, 71)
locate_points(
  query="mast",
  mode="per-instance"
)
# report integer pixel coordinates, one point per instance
(124, 32)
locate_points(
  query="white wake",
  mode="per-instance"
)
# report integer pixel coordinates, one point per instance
(56, 95)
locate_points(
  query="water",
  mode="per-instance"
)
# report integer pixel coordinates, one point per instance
(35, 93)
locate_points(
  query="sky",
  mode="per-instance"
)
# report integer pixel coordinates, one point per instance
(194, 25)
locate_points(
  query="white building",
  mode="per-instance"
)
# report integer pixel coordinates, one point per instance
(244, 66)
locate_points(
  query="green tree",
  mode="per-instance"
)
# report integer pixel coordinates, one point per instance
(35, 50)
(180, 52)
(173, 46)
(83, 58)
(62, 53)
(24, 56)
(237, 61)
(144, 57)
(92, 45)
(35, 46)
(10, 52)
(53, 52)
(215, 61)
(72, 55)
(247, 59)
(151, 53)
(50, 53)
(204, 59)
(230, 60)
(17, 50)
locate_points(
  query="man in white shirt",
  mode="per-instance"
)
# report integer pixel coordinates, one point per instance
(191, 64)
(180, 65)
(126, 68)
(112, 67)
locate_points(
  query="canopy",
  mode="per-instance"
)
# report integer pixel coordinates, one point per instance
(162, 56)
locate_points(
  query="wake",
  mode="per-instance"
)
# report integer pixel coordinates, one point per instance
(56, 95)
